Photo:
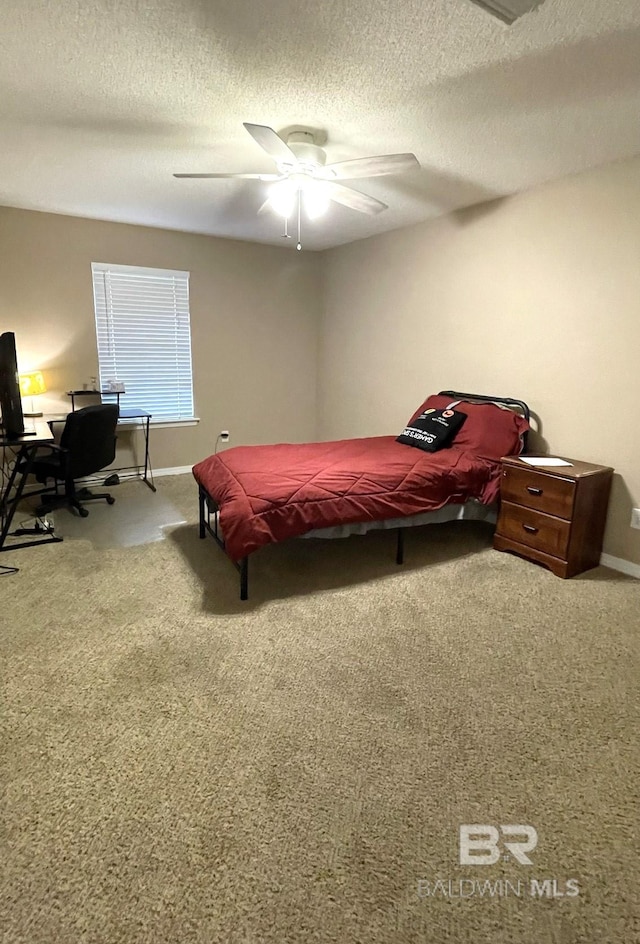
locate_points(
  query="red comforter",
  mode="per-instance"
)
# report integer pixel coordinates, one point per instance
(269, 493)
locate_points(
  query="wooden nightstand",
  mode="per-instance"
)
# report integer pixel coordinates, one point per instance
(554, 515)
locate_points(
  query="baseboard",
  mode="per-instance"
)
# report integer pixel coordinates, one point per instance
(618, 563)
(176, 470)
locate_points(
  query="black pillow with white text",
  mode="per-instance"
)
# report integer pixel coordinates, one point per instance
(432, 430)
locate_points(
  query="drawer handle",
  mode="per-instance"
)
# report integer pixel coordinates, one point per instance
(534, 491)
(530, 528)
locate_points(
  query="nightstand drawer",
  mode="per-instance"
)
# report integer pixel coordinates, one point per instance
(534, 529)
(548, 493)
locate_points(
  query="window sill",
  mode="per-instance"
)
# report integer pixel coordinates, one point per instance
(170, 424)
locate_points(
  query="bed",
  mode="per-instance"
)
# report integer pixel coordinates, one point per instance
(252, 496)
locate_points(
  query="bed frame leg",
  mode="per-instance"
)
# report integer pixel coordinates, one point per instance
(244, 578)
(400, 547)
(201, 501)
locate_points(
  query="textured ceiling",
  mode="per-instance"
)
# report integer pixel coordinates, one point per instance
(100, 102)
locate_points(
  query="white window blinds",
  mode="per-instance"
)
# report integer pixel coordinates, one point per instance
(144, 337)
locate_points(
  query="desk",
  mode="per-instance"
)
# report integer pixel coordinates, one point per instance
(25, 448)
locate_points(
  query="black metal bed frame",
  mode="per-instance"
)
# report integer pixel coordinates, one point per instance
(208, 505)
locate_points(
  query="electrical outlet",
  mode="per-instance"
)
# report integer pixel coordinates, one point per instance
(224, 436)
(635, 517)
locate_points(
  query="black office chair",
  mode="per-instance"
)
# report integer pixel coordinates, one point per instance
(87, 445)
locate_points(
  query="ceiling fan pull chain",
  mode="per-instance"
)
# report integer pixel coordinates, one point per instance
(299, 246)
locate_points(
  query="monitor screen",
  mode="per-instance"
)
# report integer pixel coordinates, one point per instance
(10, 401)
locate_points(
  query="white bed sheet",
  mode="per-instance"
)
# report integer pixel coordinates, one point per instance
(469, 511)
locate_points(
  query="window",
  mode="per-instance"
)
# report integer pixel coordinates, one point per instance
(144, 337)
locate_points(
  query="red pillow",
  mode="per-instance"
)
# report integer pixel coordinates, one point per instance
(488, 430)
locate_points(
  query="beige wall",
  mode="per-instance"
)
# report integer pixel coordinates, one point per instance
(536, 296)
(254, 320)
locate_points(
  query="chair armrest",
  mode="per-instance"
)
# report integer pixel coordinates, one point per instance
(53, 447)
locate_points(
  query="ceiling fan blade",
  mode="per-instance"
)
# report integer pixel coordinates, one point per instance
(272, 143)
(265, 206)
(370, 166)
(236, 176)
(352, 198)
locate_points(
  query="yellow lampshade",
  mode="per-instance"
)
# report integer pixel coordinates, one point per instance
(32, 384)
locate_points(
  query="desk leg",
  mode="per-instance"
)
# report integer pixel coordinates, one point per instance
(26, 454)
(147, 464)
(8, 508)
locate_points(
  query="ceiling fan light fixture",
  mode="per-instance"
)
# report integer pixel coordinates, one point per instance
(282, 197)
(315, 202)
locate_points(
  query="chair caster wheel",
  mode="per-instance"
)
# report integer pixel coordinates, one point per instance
(111, 500)
(83, 512)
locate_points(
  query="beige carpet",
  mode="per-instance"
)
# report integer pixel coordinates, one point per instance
(181, 767)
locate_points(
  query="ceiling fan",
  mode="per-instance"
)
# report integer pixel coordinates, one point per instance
(304, 177)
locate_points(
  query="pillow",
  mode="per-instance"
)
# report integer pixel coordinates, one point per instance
(488, 430)
(432, 430)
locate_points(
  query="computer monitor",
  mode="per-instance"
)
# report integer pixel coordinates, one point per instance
(10, 401)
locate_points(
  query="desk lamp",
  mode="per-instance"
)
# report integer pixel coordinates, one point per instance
(32, 385)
